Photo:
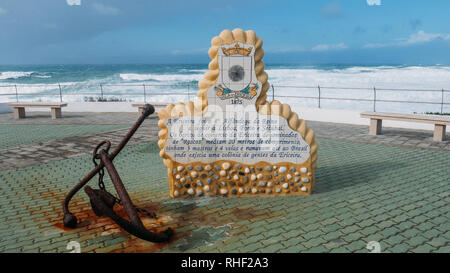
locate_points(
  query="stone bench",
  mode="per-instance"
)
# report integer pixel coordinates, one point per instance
(19, 108)
(140, 106)
(376, 118)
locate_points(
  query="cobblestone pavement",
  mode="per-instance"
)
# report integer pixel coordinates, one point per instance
(348, 132)
(397, 196)
(67, 147)
(21, 135)
(65, 140)
(71, 118)
(80, 131)
(421, 139)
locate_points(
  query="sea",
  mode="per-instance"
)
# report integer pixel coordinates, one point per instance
(409, 89)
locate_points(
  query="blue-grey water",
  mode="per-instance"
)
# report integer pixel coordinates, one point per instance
(172, 83)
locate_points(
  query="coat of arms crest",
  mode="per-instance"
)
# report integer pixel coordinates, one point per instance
(237, 77)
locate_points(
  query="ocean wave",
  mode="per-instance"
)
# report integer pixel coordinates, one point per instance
(412, 77)
(284, 80)
(172, 78)
(135, 77)
(194, 70)
(9, 75)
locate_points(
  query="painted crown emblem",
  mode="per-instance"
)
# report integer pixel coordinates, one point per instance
(237, 50)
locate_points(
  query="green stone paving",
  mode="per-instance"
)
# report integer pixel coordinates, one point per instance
(364, 192)
(16, 135)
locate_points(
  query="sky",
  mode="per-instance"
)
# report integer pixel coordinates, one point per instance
(378, 32)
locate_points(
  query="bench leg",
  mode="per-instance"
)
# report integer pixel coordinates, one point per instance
(439, 132)
(375, 126)
(56, 113)
(19, 112)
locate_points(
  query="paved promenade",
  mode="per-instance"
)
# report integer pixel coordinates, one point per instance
(393, 189)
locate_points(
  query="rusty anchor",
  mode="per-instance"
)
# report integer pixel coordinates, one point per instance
(102, 202)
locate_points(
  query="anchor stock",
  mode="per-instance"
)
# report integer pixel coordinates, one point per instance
(102, 202)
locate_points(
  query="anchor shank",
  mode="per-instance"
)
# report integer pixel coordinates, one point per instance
(120, 188)
(69, 219)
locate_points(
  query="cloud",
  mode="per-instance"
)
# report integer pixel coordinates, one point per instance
(423, 37)
(105, 10)
(332, 10)
(2, 11)
(326, 47)
(373, 2)
(317, 48)
(73, 2)
(416, 38)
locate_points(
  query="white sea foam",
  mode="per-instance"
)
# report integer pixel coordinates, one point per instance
(135, 77)
(14, 74)
(383, 77)
(168, 78)
(284, 80)
(413, 77)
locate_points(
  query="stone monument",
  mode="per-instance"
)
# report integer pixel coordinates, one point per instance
(231, 140)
